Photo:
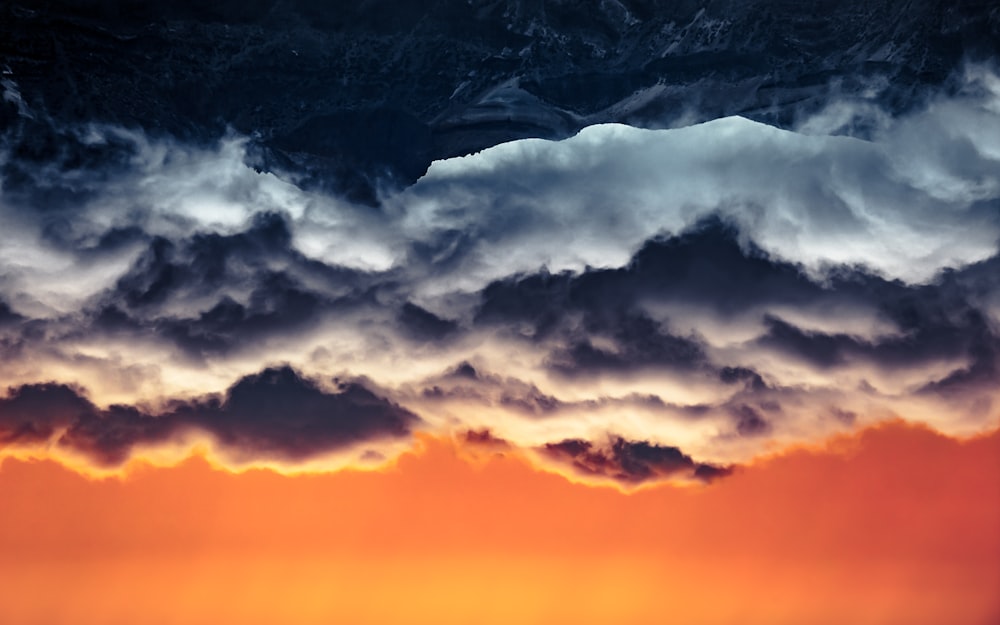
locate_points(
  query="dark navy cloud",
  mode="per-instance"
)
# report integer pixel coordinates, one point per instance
(710, 269)
(213, 293)
(7, 316)
(484, 438)
(746, 411)
(423, 325)
(706, 265)
(631, 462)
(34, 412)
(273, 415)
(464, 383)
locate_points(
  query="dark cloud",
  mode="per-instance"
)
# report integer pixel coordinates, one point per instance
(259, 266)
(465, 383)
(274, 414)
(278, 413)
(210, 294)
(108, 436)
(748, 377)
(483, 437)
(631, 462)
(706, 264)
(55, 169)
(640, 343)
(278, 304)
(745, 269)
(423, 325)
(206, 262)
(982, 372)
(941, 320)
(595, 322)
(463, 371)
(34, 412)
(845, 416)
(819, 349)
(7, 316)
(749, 421)
(530, 401)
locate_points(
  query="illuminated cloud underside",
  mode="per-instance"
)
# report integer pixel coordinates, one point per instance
(636, 304)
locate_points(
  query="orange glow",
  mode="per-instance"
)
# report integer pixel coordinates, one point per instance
(895, 525)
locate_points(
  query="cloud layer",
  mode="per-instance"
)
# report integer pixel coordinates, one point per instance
(635, 304)
(273, 415)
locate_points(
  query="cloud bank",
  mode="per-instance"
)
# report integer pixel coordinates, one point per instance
(273, 415)
(635, 304)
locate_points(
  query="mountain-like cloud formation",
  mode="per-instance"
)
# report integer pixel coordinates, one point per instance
(917, 197)
(633, 304)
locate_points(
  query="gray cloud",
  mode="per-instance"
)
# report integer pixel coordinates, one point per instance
(631, 462)
(713, 288)
(707, 268)
(273, 415)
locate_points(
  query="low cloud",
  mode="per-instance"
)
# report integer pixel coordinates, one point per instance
(723, 288)
(631, 462)
(916, 197)
(274, 415)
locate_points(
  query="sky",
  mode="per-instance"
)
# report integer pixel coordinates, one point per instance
(892, 524)
(708, 373)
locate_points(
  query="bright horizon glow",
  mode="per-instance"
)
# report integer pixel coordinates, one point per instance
(893, 525)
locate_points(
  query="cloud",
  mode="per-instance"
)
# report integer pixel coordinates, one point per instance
(424, 325)
(273, 415)
(8, 316)
(749, 421)
(80, 204)
(708, 271)
(213, 292)
(631, 462)
(34, 412)
(465, 384)
(484, 439)
(724, 288)
(82, 207)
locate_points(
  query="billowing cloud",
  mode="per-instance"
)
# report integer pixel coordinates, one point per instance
(630, 461)
(274, 415)
(642, 304)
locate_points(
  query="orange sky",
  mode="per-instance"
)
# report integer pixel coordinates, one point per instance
(895, 525)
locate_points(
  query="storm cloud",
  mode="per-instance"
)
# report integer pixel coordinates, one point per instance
(275, 414)
(724, 289)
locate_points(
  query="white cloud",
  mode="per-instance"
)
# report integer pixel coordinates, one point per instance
(906, 204)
